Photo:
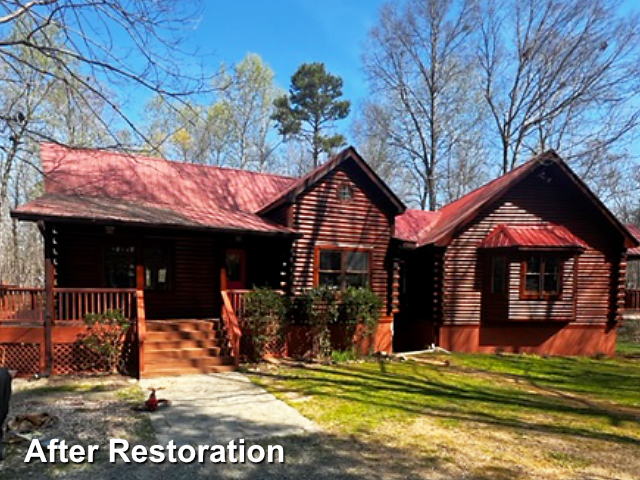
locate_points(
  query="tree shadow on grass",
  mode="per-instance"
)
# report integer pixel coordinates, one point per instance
(309, 457)
(481, 403)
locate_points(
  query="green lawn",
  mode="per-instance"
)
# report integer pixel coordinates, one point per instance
(628, 348)
(551, 416)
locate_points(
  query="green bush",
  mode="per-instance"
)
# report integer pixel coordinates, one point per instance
(105, 336)
(264, 312)
(360, 307)
(318, 307)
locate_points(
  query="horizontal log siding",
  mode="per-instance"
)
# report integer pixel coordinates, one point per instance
(194, 276)
(195, 282)
(324, 220)
(533, 202)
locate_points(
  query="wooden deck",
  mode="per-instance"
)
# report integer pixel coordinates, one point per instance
(41, 335)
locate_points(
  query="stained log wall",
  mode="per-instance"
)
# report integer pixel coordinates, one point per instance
(194, 269)
(544, 197)
(325, 220)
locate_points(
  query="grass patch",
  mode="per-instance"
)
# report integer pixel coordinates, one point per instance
(628, 348)
(517, 416)
(569, 460)
(609, 379)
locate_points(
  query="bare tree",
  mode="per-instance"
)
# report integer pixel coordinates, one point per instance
(562, 75)
(65, 70)
(417, 62)
(236, 130)
(133, 43)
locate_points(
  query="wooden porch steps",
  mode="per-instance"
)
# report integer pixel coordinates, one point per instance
(182, 347)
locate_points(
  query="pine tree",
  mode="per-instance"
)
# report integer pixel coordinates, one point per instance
(311, 109)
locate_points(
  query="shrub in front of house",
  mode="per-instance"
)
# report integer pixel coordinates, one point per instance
(337, 320)
(264, 311)
(360, 310)
(105, 337)
(323, 318)
(317, 308)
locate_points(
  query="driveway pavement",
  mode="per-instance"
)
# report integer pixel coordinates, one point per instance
(214, 409)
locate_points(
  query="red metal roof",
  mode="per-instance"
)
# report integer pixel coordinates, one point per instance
(634, 252)
(156, 180)
(413, 224)
(89, 183)
(113, 210)
(438, 230)
(531, 236)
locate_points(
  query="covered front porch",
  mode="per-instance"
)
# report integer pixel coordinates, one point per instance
(180, 290)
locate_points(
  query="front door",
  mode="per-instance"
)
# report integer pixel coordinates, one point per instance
(235, 264)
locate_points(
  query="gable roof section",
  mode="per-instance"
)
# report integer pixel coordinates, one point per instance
(634, 252)
(525, 237)
(459, 213)
(312, 178)
(413, 224)
(107, 186)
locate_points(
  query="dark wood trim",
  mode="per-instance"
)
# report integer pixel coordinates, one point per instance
(29, 217)
(313, 177)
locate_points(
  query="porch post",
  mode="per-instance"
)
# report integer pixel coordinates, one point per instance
(49, 284)
(223, 277)
(140, 308)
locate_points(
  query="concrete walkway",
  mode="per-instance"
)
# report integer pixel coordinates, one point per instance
(214, 409)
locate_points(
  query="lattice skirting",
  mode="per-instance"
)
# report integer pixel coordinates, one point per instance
(76, 359)
(22, 357)
(68, 359)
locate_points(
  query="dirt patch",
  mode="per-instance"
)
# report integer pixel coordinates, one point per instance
(87, 411)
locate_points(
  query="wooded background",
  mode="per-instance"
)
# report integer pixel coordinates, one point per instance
(461, 91)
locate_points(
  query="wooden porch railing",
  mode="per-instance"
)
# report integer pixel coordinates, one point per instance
(232, 325)
(27, 307)
(236, 297)
(73, 304)
(632, 301)
(22, 305)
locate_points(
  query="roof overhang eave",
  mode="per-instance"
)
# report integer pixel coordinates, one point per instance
(35, 217)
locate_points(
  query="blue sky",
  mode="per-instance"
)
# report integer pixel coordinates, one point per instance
(287, 33)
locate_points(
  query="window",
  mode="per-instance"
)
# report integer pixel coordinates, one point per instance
(345, 192)
(343, 268)
(541, 278)
(498, 275)
(120, 266)
(156, 268)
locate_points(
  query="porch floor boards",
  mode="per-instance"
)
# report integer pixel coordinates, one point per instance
(181, 347)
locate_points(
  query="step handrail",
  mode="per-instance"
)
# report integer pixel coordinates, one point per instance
(232, 326)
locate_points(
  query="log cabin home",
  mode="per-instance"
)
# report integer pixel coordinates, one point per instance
(531, 262)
